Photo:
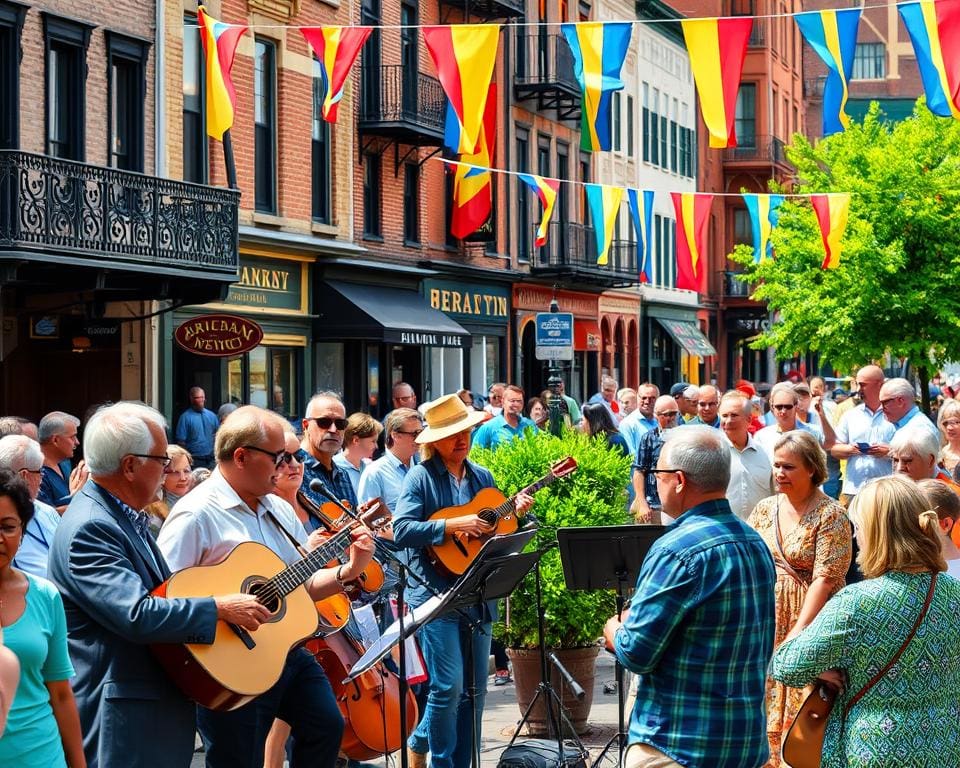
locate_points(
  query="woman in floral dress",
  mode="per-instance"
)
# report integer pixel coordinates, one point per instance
(809, 536)
(911, 716)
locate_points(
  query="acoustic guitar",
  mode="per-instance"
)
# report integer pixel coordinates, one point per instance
(454, 555)
(240, 665)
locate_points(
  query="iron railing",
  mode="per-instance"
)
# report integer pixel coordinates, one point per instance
(490, 9)
(544, 60)
(765, 149)
(93, 212)
(571, 251)
(404, 99)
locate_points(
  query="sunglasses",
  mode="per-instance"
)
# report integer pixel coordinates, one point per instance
(325, 422)
(280, 457)
(782, 407)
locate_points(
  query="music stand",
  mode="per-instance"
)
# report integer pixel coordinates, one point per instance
(495, 573)
(607, 557)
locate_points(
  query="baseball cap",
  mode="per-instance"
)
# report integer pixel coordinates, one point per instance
(678, 389)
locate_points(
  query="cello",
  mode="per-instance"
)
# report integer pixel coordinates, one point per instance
(370, 705)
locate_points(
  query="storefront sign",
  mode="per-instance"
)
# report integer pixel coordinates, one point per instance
(271, 284)
(554, 337)
(427, 339)
(218, 335)
(470, 302)
(537, 299)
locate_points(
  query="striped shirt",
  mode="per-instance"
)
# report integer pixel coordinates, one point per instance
(700, 634)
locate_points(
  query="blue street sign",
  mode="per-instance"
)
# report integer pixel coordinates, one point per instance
(554, 337)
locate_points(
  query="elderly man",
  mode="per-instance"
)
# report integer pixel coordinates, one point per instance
(323, 428)
(914, 451)
(509, 425)
(751, 473)
(57, 435)
(863, 436)
(105, 564)
(646, 502)
(699, 630)
(898, 401)
(403, 395)
(384, 477)
(687, 401)
(784, 401)
(627, 400)
(196, 429)
(708, 401)
(232, 506)
(607, 396)
(20, 454)
(642, 420)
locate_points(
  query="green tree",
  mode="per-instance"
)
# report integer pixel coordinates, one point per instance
(895, 289)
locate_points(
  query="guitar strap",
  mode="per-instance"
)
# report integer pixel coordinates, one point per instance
(297, 545)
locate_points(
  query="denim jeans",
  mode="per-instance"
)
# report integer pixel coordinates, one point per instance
(445, 729)
(302, 697)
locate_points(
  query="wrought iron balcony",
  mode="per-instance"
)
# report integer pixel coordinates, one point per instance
(67, 214)
(734, 288)
(813, 87)
(571, 254)
(757, 150)
(544, 74)
(403, 105)
(488, 9)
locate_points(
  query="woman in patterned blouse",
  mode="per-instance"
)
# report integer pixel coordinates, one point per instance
(911, 716)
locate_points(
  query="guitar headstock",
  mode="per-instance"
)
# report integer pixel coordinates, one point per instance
(564, 467)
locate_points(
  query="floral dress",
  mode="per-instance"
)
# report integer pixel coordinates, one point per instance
(818, 546)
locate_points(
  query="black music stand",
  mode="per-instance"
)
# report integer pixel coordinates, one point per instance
(495, 573)
(607, 557)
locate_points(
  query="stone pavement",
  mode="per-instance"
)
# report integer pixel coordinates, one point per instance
(501, 716)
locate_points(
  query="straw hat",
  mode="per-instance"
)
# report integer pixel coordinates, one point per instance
(447, 416)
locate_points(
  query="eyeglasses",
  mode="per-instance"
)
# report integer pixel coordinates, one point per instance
(164, 460)
(705, 404)
(664, 471)
(11, 529)
(785, 407)
(950, 423)
(415, 434)
(667, 414)
(279, 457)
(40, 471)
(325, 422)
(883, 403)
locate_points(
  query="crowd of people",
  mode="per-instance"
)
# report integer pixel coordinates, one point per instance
(803, 533)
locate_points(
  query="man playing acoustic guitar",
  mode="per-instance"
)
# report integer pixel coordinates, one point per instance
(446, 478)
(236, 505)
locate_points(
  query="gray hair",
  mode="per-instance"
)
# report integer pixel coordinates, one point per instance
(746, 404)
(692, 392)
(10, 425)
(785, 386)
(608, 380)
(116, 431)
(916, 441)
(53, 424)
(701, 453)
(900, 388)
(325, 395)
(20, 452)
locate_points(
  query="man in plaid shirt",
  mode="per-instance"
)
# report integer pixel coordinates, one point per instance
(699, 630)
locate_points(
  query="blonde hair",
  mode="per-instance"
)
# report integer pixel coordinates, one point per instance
(941, 497)
(898, 531)
(949, 409)
(178, 451)
(361, 425)
(807, 448)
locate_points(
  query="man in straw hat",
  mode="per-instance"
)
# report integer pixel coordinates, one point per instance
(446, 478)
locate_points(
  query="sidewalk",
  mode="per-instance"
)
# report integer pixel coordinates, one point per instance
(501, 716)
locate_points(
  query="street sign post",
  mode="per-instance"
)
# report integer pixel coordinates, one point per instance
(554, 337)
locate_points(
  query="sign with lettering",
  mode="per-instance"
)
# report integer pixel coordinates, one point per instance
(272, 284)
(426, 338)
(470, 302)
(537, 299)
(554, 336)
(218, 335)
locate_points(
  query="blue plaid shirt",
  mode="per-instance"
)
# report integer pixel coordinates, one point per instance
(648, 454)
(336, 481)
(700, 635)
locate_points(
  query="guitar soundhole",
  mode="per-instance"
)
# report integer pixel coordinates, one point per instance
(488, 516)
(266, 593)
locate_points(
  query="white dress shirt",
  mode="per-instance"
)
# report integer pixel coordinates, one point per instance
(751, 477)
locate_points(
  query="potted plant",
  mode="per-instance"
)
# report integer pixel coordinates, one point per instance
(594, 495)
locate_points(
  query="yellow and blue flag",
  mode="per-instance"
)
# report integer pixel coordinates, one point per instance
(546, 190)
(641, 211)
(934, 27)
(833, 35)
(599, 50)
(764, 213)
(604, 205)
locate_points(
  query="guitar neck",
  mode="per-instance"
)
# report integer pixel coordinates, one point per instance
(297, 574)
(509, 505)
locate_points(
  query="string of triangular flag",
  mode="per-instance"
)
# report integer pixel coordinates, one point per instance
(691, 210)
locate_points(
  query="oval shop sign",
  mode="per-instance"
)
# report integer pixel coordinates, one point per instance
(218, 335)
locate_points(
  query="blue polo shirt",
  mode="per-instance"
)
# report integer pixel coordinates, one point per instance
(195, 431)
(497, 431)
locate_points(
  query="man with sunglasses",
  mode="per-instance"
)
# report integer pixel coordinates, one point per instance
(236, 504)
(384, 477)
(646, 503)
(784, 401)
(323, 428)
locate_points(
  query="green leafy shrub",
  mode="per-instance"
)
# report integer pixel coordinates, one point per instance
(595, 494)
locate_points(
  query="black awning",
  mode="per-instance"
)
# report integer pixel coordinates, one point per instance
(688, 336)
(393, 315)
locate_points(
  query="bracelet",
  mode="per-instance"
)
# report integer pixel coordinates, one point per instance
(339, 575)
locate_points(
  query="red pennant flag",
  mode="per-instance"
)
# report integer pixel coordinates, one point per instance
(336, 49)
(693, 212)
(473, 187)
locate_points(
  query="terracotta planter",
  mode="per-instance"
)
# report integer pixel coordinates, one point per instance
(580, 663)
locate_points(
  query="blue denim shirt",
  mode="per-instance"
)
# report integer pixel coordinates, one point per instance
(426, 490)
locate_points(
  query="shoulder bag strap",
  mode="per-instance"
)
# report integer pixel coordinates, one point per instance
(293, 540)
(916, 625)
(782, 559)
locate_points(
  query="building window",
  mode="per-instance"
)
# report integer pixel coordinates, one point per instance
(645, 123)
(664, 141)
(320, 153)
(746, 119)
(411, 203)
(616, 121)
(371, 196)
(194, 115)
(11, 23)
(370, 59)
(66, 54)
(629, 126)
(674, 146)
(524, 233)
(870, 62)
(742, 231)
(126, 86)
(655, 128)
(265, 125)
(563, 198)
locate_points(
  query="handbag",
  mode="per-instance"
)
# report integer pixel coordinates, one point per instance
(803, 745)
